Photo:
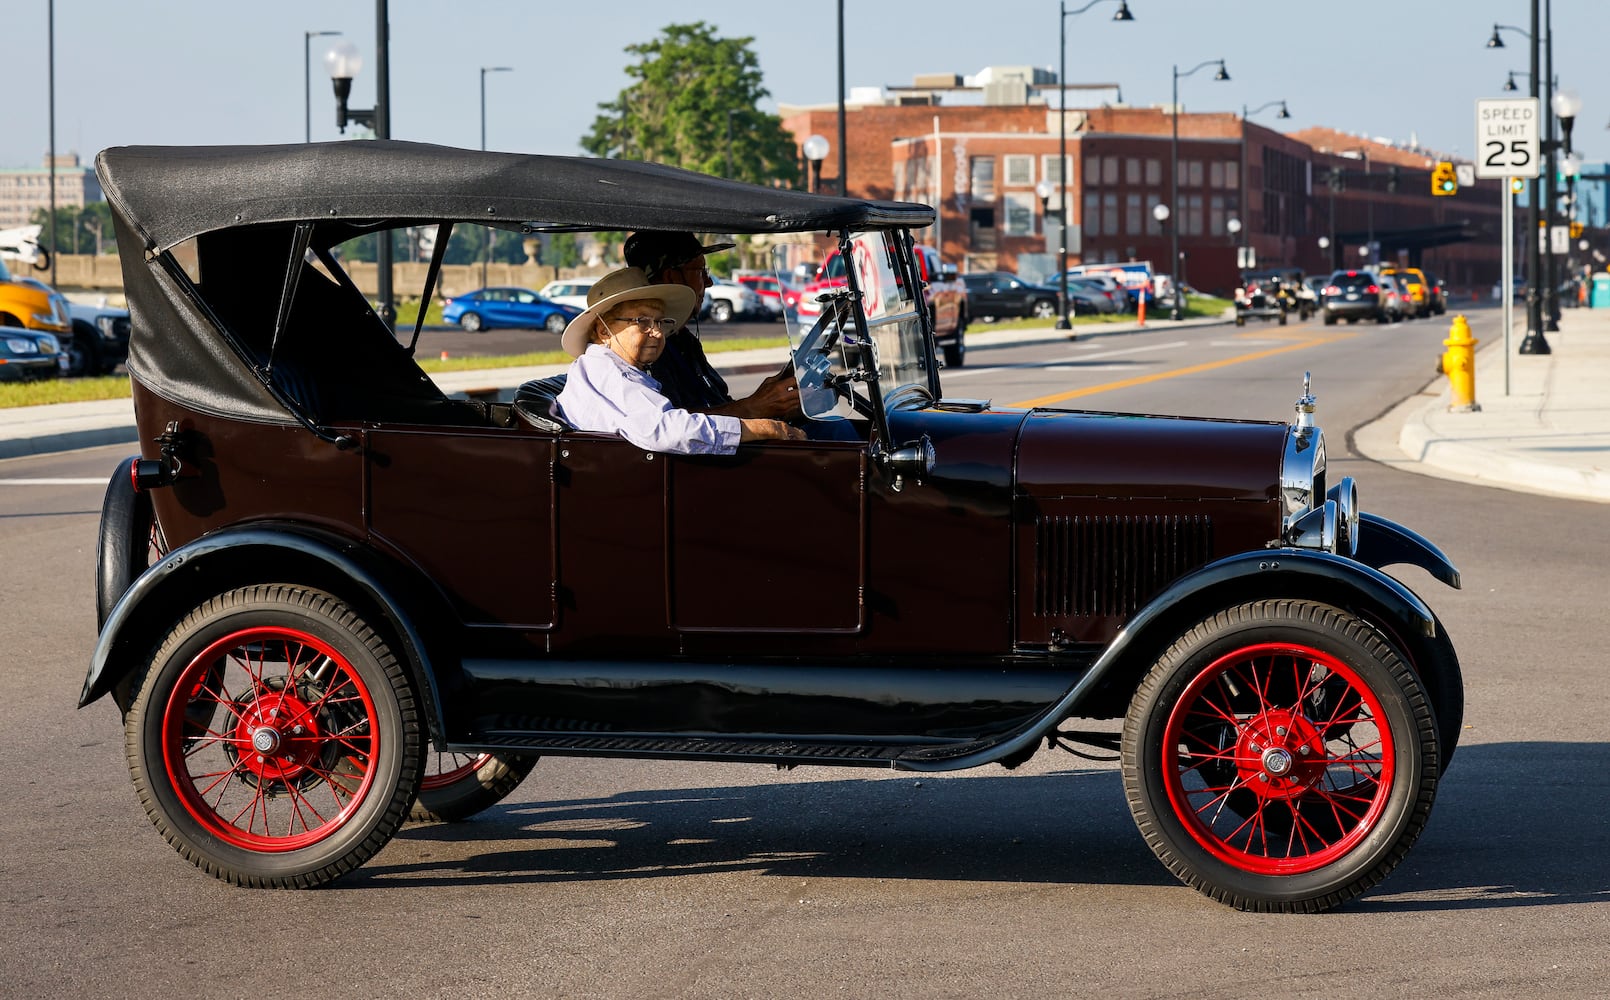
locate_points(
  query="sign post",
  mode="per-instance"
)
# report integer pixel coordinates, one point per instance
(1507, 146)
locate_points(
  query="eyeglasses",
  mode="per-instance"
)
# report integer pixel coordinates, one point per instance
(648, 324)
(696, 266)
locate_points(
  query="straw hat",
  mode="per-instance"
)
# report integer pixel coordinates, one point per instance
(626, 285)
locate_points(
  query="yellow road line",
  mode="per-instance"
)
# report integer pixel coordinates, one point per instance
(1190, 370)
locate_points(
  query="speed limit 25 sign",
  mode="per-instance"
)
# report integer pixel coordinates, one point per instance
(1507, 137)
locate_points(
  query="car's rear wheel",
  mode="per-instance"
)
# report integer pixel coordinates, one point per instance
(470, 322)
(556, 323)
(456, 786)
(1280, 756)
(721, 311)
(83, 353)
(274, 739)
(1043, 309)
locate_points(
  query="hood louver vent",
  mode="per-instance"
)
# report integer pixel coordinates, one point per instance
(1113, 565)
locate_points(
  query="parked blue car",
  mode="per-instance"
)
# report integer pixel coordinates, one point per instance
(29, 354)
(508, 307)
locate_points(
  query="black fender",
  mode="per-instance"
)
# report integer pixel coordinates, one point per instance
(390, 595)
(122, 551)
(1103, 690)
(1387, 543)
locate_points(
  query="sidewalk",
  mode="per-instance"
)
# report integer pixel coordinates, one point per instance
(40, 430)
(1550, 435)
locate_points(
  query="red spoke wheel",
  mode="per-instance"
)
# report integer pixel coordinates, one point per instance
(1280, 756)
(456, 786)
(274, 739)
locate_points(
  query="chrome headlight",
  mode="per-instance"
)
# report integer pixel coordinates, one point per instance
(48, 345)
(22, 345)
(1345, 496)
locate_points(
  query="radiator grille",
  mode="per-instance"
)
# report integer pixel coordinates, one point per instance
(1111, 565)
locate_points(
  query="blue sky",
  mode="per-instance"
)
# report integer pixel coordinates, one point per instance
(223, 71)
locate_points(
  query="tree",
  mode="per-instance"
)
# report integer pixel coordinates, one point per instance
(688, 84)
(86, 230)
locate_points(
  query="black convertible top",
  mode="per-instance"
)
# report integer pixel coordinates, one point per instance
(169, 194)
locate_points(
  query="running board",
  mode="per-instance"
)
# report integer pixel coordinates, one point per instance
(768, 749)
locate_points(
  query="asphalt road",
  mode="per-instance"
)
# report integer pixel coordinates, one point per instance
(664, 879)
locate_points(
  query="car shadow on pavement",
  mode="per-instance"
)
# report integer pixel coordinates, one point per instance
(1515, 824)
(1060, 827)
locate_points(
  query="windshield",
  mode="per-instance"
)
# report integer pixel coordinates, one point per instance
(829, 345)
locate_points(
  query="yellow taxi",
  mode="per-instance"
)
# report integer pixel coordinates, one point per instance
(1419, 289)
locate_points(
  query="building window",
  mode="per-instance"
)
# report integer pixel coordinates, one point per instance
(1092, 217)
(1019, 206)
(1154, 171)
(1050, 168)
(1109, 170)
(1193, 173)
(1191, 209)
(1019, 171)
(981, 228)
(1109, 213)
(1216, 174)
(1132, 170)
(1092, 171)
(1132, 219)
(983, 178)
(1216, 215)
(1232, 175)
(1153, 227)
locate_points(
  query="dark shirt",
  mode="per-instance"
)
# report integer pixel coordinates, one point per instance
(686, 377)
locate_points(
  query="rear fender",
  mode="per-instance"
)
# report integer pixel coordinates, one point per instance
(123, 547)
(390, 596)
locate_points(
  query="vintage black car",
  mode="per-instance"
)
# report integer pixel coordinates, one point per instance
(331, 597)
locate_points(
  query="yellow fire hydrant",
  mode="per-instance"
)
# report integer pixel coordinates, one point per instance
(1459, 364)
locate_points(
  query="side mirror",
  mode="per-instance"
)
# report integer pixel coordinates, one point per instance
(947, 272)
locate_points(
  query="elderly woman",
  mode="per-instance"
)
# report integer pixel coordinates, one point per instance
(608, 388)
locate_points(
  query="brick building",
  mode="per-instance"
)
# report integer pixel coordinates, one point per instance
(25, 190)
(980, 165)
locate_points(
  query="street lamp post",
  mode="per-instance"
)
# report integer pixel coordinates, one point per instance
(343, 62)
(1241, 196)
(486, 250)
(1534, 342)
(307, 79)
(1234, 227)
(1062, 149)
(1174, 172)
(50, 166)
(1160, 212)
(1043, 191)
(815, 149)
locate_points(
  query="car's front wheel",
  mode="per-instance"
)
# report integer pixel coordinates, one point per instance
(556, 323)
(456, 786)
(471, 322)
(274, 739)
(1043, 309)
(1280, 756)
(721, 311)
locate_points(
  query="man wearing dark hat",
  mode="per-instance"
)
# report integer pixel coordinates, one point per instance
(686, 377)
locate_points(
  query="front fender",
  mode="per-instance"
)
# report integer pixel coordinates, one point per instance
(238, 557)
(1386, 543)
(1233, 580)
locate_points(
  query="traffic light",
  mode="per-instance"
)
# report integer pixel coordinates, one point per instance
(1443, 179)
